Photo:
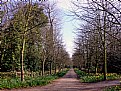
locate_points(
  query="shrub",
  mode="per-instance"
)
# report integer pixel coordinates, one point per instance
(80, 73)
(62, 73)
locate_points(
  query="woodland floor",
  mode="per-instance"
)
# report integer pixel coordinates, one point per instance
(70, 83)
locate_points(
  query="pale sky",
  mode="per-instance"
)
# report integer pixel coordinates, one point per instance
(68, 25)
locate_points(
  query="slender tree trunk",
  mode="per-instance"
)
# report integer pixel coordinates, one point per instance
(1, 56)
(50, 68)
(96, 67)
(43, 68)
(22, 59)
(87, 58)
(105, 59)
(104, 44)
(96, 64)
(55, 68)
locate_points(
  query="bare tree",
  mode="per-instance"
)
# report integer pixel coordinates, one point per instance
(99, 19)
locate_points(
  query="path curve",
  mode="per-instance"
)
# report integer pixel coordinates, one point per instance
(70, 83)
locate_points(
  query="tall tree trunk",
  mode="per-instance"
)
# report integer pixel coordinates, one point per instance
(105, 59)
(104, 44)
(22, 59)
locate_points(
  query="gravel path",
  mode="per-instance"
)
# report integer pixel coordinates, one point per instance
(70, 83)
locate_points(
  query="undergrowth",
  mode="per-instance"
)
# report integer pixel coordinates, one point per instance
(113, 88)
(91, 77)
(8, 83)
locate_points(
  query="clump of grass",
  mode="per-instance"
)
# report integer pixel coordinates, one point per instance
(91, 79)
(80, 73)
(113, 76)
(112, 88)
(62, 73)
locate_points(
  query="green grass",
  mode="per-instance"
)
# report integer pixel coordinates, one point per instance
(62, 73)
(113, 88)
(80, 73)
(16, 82)
(85, 77)
(8, 83)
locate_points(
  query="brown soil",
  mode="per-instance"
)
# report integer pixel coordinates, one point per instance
(70, 83)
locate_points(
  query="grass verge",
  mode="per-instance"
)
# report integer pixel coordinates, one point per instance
(8, 83)
(85, 77)
(113, 88)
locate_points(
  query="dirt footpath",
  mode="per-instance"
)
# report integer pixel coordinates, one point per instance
(70, 83)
